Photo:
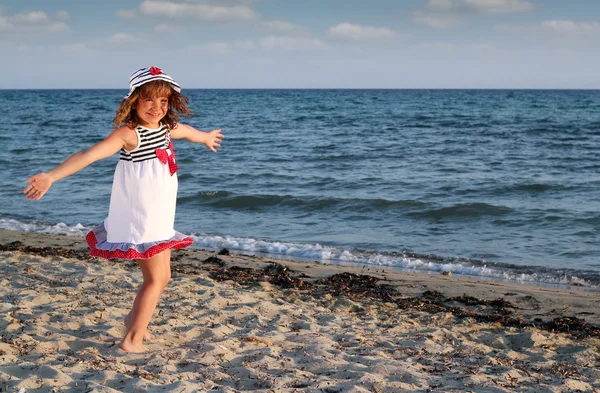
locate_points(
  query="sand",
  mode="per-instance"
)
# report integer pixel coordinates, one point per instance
(236, 323)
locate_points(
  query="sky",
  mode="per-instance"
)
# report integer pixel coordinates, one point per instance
(530, 44)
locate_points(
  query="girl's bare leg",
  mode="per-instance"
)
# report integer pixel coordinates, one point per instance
(157, 273)
(147, 335)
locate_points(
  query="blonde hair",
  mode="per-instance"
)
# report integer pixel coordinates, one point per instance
(178, 104)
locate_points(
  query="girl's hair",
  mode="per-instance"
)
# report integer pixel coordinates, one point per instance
(178, 104)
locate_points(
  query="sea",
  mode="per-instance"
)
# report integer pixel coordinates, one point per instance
(488, 184)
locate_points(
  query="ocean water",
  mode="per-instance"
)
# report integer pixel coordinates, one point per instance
(488, 183)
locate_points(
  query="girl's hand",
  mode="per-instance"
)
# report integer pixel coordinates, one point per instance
(38, 186)
(213, 139)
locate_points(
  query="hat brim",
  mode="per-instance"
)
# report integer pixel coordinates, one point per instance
(162, 77)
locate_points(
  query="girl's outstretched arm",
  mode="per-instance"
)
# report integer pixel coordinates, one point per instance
(212, 139)
(40, 184)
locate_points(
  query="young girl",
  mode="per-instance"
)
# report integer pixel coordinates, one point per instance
(142, 205)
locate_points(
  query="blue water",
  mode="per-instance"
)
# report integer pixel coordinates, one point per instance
(498, 183)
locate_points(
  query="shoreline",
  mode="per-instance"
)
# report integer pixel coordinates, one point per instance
(251, 323)
(459, 267)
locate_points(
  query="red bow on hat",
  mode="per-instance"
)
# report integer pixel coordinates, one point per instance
(167, 156)
(155, 71)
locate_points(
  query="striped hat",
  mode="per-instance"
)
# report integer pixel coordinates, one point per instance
(145, 75)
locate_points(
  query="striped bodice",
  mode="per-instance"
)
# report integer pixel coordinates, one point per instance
(148, 141)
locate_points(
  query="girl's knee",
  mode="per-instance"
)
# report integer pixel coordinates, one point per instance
(157, 283)
(166, 280)
(163, 281)
(166, 277)
(156, 271)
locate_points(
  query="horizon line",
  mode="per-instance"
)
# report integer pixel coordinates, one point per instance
(316, 88)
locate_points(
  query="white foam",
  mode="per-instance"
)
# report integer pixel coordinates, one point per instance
(331, 254)
(322, 253)
(40, 227)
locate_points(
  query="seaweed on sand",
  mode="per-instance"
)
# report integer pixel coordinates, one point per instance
(354, 286)
(273, 273)
(46, 251)
(358, 286)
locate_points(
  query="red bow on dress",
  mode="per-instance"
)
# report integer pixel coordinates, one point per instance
(167, 156)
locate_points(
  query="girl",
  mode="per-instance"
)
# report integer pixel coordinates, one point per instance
(142, 205)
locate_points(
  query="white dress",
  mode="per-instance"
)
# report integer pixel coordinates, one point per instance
(142, 203)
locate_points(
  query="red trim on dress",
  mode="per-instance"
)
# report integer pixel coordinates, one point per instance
(131, 253)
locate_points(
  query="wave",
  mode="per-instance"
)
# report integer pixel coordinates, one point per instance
(20, 151)
(463, 210)
(40, 227)
(412, 208)
(228, 200)
(203, 195)
(395, 260)
(532, 187)
(50, 123)
(418, 125)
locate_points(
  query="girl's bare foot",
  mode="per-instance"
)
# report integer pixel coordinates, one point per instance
(128, 346)
(147, 335)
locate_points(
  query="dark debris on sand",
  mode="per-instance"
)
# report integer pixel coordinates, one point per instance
(365, 287)
(284, 277)
(214, 260)
(273, 273)
(358, 287)
(571, 325)
(473, 301)
(46, 251)
(433, 301)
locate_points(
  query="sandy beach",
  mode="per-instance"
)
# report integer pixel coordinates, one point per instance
(236, 323)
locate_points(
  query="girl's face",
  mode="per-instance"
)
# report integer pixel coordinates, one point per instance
(151, 110)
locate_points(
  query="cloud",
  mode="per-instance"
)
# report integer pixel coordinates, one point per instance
(203, 11)
(439, 20)
(224, 48)
(441, 47)
(167, 28)
(500, 6)
(77, 49)
(480, 6)
(291, 44)
(118, 41)
(517, 29)
(123, 39)
(562, 28)
(36, 17)
(357, 32)
(31, 22)
(62, 15)
(281, 25)
(571, 27)
(445, 14)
